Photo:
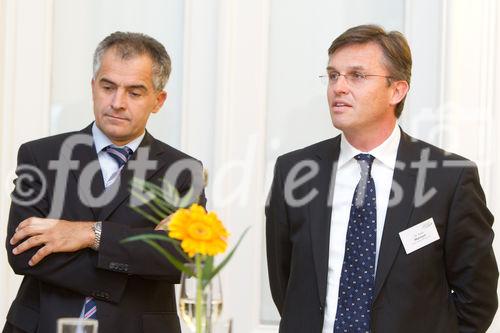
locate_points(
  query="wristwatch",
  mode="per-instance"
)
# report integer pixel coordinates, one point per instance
(97, 228)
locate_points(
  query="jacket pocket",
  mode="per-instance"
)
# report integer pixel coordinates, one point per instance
(161, 322)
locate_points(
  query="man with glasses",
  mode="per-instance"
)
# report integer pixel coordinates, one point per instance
(375, 231)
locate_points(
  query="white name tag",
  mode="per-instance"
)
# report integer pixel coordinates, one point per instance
(419, 235)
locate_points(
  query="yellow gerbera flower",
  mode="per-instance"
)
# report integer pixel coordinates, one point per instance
(199, 232)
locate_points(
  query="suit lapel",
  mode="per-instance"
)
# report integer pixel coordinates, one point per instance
(86, 154)
(320, 211)
(398, 214)
(123, 184)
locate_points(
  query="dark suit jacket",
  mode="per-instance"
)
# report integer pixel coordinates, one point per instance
(447, 286)
(133, 285)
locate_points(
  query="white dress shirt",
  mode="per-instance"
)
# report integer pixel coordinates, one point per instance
(347, 177)
(109, 167)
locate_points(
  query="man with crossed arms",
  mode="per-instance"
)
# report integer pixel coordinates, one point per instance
(69, 218)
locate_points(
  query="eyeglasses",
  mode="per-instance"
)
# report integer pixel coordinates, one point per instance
(353, 79)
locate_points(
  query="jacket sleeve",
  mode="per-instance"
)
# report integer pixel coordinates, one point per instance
(278, 244)
(470, 262)
(137, 258)
(75, 271)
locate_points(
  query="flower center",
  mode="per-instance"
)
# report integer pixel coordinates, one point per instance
(200, 231)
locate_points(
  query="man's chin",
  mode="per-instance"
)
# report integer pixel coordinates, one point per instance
(339, 124)
(116, 134)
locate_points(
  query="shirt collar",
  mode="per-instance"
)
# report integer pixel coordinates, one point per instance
(386, 152)
(101, 140)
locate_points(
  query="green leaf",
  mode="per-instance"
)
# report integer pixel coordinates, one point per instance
(228, 257)
(165, 205)
(168, 196)
(168, 187)
(170, 193)
(173, 260)
(147, 216)
(157, 210)
(152, 196)
(157, 190)
(160, 237)
(208, 266)
(148, 236)
(187, 198)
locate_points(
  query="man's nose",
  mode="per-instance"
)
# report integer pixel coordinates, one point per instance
(118, 101)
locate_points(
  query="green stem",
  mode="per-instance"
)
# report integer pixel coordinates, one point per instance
(199, 293)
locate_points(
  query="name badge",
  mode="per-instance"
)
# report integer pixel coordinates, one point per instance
(419, 235)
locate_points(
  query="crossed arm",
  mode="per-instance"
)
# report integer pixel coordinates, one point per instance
(57, 251)
(53, 236)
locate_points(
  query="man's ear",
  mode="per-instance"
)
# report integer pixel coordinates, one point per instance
(160, 99)
(399, 91)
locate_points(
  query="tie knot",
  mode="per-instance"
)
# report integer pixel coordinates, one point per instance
(120, 154)
(365, 161)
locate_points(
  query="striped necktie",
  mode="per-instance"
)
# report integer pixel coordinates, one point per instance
(120, 156)
(89, 309)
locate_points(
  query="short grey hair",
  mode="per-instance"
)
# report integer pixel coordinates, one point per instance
(131, 44)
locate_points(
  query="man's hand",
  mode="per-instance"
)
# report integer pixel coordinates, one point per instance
(53, 235)
(163, 225)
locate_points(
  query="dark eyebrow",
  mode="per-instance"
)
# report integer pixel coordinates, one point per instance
(131, 87)
(356, 68)
(104, 80)
(138, 86)
(351, 68)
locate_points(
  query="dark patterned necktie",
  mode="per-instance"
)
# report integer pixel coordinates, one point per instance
(120, 155)
(358, 269)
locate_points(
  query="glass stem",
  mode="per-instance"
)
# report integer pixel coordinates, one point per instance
(199, 294)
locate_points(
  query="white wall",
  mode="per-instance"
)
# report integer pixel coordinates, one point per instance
(25, 101)
(4, 269)
(79, 25)
(244, 90)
